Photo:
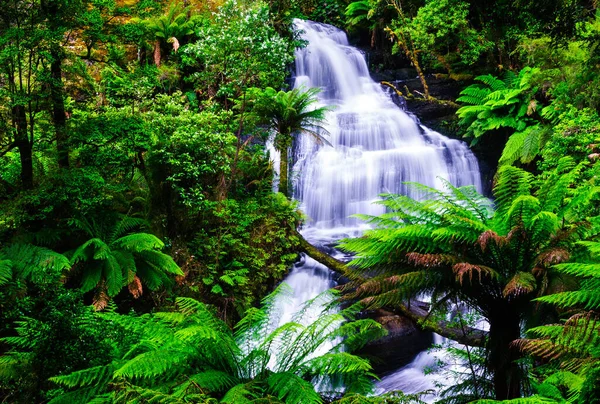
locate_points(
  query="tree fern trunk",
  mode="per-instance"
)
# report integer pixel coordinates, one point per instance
(507, 375)
(157, 53)
(283, 172)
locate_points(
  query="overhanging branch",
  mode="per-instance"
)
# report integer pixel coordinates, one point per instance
(416, 312)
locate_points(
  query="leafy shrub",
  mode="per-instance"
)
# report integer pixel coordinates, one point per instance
(56, 334)
(577, 134)
(242, 250)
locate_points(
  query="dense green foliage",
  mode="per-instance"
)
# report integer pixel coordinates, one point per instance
(139, 229)
(132, 171)
(189, 354)
(494, 260)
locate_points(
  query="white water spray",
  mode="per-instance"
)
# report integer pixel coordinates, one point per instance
(375, 148)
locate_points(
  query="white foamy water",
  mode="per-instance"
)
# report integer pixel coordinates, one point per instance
(374, 148)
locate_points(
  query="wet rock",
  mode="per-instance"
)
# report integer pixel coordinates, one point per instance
(407, 73)
(402, 344)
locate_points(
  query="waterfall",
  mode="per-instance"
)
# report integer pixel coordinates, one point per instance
(374, 147)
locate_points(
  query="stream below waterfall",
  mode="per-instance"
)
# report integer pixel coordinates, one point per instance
(374, 148)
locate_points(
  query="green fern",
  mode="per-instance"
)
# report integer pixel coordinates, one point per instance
(28, 262)
(509, 105)
(191, 352)
(358, 11)
(114, 257)
(455, 244)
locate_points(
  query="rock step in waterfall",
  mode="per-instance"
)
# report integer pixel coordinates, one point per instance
(374, 148)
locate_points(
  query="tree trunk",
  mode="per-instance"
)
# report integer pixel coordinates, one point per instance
(24, 145)
(507, 375)
(157, 53)
(413, 57)
(415, 61)
(283, 172)
(58, 108)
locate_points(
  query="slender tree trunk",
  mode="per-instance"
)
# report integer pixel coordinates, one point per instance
(58, 108)
(504, 329)
(24, 146)
(415, 61)
(157, 53)
(411, 54)
(283, 172)
(406, 44)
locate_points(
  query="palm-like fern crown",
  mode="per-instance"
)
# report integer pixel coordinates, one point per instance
(289, 112)
(174, 24)
(114, 257)
(190, 352)
(455, 243)
(497, 103)
(362, 10)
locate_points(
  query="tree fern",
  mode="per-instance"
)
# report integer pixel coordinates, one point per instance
(114, 257)
(288, 114)
(497, 261)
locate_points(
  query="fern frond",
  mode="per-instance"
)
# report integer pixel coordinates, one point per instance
(5, 271)
(214, 380)
(85, 395)
(492, 82)
(87, 250)
(113, 275)
(153, 364)
(512, 183)
(239, 394)
(33, 263)
(292, 389)
(86, 377)
(521, 283)
(139, 242)
(161, 262)
(465, 269)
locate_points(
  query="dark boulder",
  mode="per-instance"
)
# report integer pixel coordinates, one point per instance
(402, 344)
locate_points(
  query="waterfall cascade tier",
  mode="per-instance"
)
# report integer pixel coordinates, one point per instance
(374, 148)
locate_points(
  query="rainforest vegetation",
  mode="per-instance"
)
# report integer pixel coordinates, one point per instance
(142, 243)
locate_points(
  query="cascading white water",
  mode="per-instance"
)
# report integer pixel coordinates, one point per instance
(374, 148)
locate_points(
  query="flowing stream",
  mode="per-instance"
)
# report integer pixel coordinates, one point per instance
(374, 147)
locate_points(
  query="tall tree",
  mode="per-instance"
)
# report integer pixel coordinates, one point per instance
(287, 114)
(60, 19)
(20, 85)
(456, 246)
